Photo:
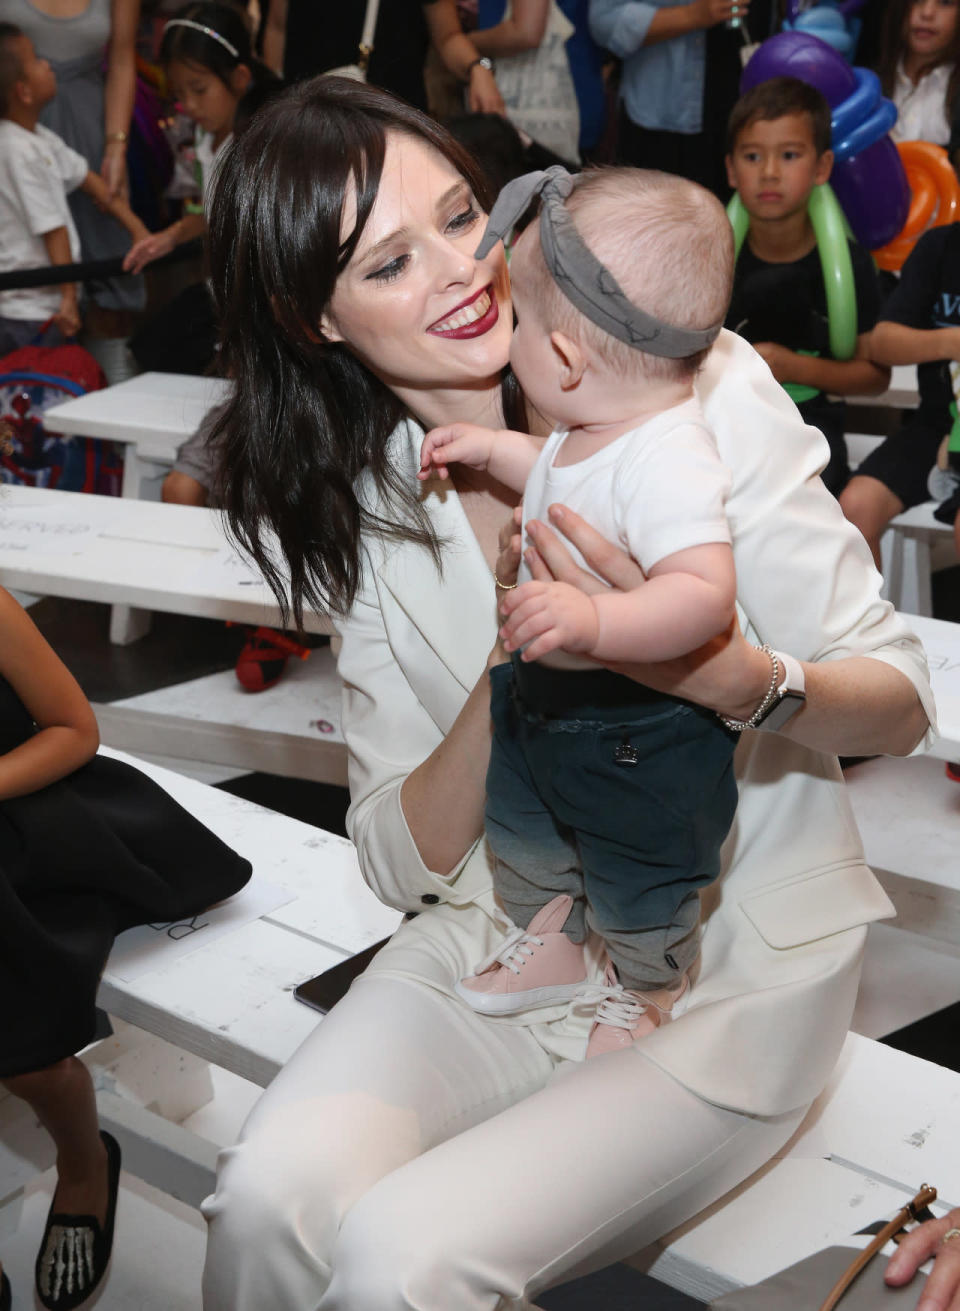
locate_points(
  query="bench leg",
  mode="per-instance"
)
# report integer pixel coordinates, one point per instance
(915, 591)
(149, 1072)
(128, 624)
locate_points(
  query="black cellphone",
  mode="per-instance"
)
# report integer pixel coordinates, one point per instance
(323, 991)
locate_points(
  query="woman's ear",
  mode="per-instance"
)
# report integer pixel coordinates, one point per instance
(328, 330)
(570, 359)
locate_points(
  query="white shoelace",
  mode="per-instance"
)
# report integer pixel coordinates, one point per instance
(622, 1010)
(516, 948)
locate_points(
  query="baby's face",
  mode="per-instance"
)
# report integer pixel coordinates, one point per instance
(532, 355)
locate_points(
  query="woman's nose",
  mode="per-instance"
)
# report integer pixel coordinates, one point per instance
(456, 263)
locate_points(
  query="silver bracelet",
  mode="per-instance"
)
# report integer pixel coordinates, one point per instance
(738, 725)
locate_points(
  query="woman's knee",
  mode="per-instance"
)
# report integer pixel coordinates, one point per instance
(398, 1257)
(271, 1192)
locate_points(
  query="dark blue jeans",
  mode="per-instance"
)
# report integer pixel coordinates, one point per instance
(616, 795)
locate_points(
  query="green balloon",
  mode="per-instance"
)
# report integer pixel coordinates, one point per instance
(830, 229)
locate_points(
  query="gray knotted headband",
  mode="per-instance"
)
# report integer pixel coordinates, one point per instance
(579, 274)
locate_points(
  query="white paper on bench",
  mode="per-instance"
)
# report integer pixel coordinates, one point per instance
(231, 1002)
(142, 949)
(330, 901)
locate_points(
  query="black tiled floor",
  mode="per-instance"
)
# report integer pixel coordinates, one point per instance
(618, 1288)
(935, 1038)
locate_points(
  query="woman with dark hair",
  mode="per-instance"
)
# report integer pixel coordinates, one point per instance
(919, 69)
(413, 1153)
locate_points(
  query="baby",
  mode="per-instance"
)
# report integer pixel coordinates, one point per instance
(607, 803)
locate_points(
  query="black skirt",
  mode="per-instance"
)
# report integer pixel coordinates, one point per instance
(80, 861)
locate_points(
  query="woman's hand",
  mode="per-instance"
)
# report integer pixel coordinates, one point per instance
(144, 252)
(113, 169)
(483, 94)
(727, 675)
(941, 1292)
(711, 12)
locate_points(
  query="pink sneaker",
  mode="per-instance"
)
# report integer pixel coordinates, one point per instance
(536, 966)
(624, 1016)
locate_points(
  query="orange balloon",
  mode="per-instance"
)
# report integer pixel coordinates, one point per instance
(935, 199)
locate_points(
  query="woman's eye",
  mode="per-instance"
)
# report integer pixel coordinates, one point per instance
(460, 222)
(389, 271)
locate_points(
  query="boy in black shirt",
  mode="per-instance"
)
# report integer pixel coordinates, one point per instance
(919, 324)
(778, 151)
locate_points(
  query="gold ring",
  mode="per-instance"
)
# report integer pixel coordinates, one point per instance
(504, 587)
(949, 1236)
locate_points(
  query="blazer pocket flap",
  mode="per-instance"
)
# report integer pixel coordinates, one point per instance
(806, 909)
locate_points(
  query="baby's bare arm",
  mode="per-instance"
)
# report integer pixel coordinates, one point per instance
(688, 598)
(508, 456)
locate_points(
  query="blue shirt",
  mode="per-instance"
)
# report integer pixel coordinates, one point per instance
(662, 84)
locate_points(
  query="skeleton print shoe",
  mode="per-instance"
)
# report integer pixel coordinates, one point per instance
(75, 1251)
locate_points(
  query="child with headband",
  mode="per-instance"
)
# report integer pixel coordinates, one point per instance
(607, 804)
(210, 68)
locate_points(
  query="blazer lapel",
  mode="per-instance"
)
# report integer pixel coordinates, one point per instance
(454, 608)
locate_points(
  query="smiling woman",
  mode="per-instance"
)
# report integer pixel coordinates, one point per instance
(373, 245)
(414, 1153)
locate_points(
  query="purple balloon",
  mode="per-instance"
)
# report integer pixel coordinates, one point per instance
(873, 192)
(804, 56)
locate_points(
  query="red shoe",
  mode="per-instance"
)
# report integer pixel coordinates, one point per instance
(953, 770)
(264, 658)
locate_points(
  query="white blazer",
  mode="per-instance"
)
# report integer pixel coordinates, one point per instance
(784, 925)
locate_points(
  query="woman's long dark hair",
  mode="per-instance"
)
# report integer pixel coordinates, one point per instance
(892, 40)
(307, 418)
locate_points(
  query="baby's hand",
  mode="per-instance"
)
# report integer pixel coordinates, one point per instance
(543, 617)
(458, 443)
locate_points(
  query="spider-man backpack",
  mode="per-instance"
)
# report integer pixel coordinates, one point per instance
(32, 380)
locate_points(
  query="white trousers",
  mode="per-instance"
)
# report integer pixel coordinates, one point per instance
(414, 1155)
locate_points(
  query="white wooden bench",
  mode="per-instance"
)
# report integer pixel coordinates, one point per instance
(151, 415)
(173, 558)
(914, 544)
(902, 394)
(885, 1121)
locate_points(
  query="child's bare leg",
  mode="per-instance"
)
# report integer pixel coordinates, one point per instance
(870, 505)
(63, 1100)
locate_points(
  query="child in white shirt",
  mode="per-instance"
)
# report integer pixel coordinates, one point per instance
(37, 172)
(606, 803)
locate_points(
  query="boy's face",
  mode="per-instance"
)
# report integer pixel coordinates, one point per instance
(37, 82)
(775, 166)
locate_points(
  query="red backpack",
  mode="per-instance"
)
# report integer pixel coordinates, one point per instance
(33, 379)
